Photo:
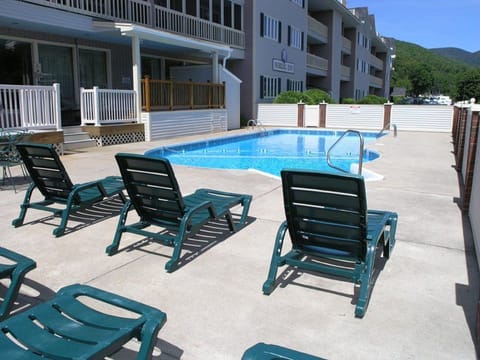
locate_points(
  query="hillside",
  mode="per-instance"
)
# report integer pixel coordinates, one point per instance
(414, 64)
(460, 55)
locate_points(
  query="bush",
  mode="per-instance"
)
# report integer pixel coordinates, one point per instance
(309, 97)
(290, 97)
(317, 96)
(373, 99)
(348, 101)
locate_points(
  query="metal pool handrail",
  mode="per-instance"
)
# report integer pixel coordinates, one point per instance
(360, 159)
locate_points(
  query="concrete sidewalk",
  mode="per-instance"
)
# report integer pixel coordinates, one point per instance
(423, 305)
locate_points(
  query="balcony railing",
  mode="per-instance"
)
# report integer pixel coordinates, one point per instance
(317, 29)
(30, 107)
(376, 62)
(376, 81)
(146, 13)
(169, 95)
(107, 106)
(345, 73)
(317, 62)
(346, 45)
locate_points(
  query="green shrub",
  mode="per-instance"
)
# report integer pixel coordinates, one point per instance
(348, 101)
(398, 99)
(317, 96)
(372, 99)
(290, 97)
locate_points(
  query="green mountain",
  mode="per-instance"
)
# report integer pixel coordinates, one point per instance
(459, 54)
(423, 71)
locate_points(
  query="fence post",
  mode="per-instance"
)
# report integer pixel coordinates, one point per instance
(58, 106)
(323, 114)
(387, 115)
(171, 95)
(96, 104)
(300, 114)
(191, 94)
(471, 158)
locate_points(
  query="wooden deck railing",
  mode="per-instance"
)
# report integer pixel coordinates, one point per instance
(170, 95)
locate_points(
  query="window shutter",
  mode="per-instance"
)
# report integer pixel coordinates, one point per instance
(289, 35)
(303, 40)
(261, 24)
(279, 87)
(279, 31)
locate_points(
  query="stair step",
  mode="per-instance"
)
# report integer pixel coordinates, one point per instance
(76, 136)
(78, 144)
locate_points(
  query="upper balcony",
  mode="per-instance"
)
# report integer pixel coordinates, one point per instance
(317, 31)
(318, 64)
(376, 62)
(376, 82)
(145, 13)
(346, 46)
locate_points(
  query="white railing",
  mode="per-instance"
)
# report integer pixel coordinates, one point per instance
(107, 106)
(30, 107)
(146, 13)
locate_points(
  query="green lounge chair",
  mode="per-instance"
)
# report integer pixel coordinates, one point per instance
(155, 195)
(262, 351)
(14, 269)
(66, 328)
(331, 229)
(51, 179)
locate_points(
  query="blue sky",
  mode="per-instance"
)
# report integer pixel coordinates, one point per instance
(431, 24)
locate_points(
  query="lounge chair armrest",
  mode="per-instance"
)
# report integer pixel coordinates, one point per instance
(76, 290)
(206, 205)
(22, 262)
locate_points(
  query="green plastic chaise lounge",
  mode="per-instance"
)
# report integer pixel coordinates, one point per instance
(262, 351)
(155, 195)
(331, 230)
(75, 325)
(15, 269)
(50, 177)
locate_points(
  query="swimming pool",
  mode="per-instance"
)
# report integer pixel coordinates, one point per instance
(271, 151)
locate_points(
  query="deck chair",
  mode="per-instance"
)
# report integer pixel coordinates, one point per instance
(51, 179)
(155, 195)
(67, 328)
(331, 230)
(262, 351)
(15, 270)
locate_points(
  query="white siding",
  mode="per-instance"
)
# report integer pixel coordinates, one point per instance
(168, 124)
(312, 116)
(277, 114)
(355, 116)
(437, 118)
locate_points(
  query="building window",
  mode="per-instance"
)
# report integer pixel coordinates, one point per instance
(205, 9)
(216, 11)
(191, 7)
(176, 5)
(227, 14)
(270, 28)
(294, 85)
(270, 87)
(237, 17)
(295, 38)
(300, 3)
(93, 68)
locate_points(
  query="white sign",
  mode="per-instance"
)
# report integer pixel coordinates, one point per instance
(279, 65)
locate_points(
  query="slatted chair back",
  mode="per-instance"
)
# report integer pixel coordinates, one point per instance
(152, 187)
(46, 170)
(326, 213)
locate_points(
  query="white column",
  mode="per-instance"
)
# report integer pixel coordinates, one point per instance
(137, 74)
(215, 67)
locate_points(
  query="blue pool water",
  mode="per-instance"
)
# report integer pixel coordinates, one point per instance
(270, 151)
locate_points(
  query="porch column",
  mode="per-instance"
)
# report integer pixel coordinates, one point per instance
(215, 68)
(137, 75)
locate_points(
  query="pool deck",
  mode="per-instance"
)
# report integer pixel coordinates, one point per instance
(423, 305)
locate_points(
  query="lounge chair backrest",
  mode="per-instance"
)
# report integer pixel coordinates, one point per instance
(326, 212)
(152, 188)
(46, 170)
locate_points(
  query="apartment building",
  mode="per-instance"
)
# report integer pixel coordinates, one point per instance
(269, 46)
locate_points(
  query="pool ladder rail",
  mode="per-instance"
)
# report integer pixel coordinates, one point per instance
(360, 157)
(252, 124)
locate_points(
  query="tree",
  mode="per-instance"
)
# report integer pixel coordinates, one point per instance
(468, 85)
(421, 79)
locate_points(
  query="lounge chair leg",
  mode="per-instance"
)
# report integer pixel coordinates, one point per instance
(113, 247)
(268, 285)
(365, 283)
(23, 207)
(177, 247)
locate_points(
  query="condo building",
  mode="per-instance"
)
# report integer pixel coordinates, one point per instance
(255, 48)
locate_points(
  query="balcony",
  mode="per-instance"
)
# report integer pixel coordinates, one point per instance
(346, 46)
(345, 73)
(317, 30)
(376, 62)
(317, 62)
(146, 13)
(376, 82)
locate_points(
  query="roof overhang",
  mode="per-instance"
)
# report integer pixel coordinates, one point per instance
(165, 38)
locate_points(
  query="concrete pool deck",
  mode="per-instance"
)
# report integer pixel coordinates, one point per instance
(423, 304)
